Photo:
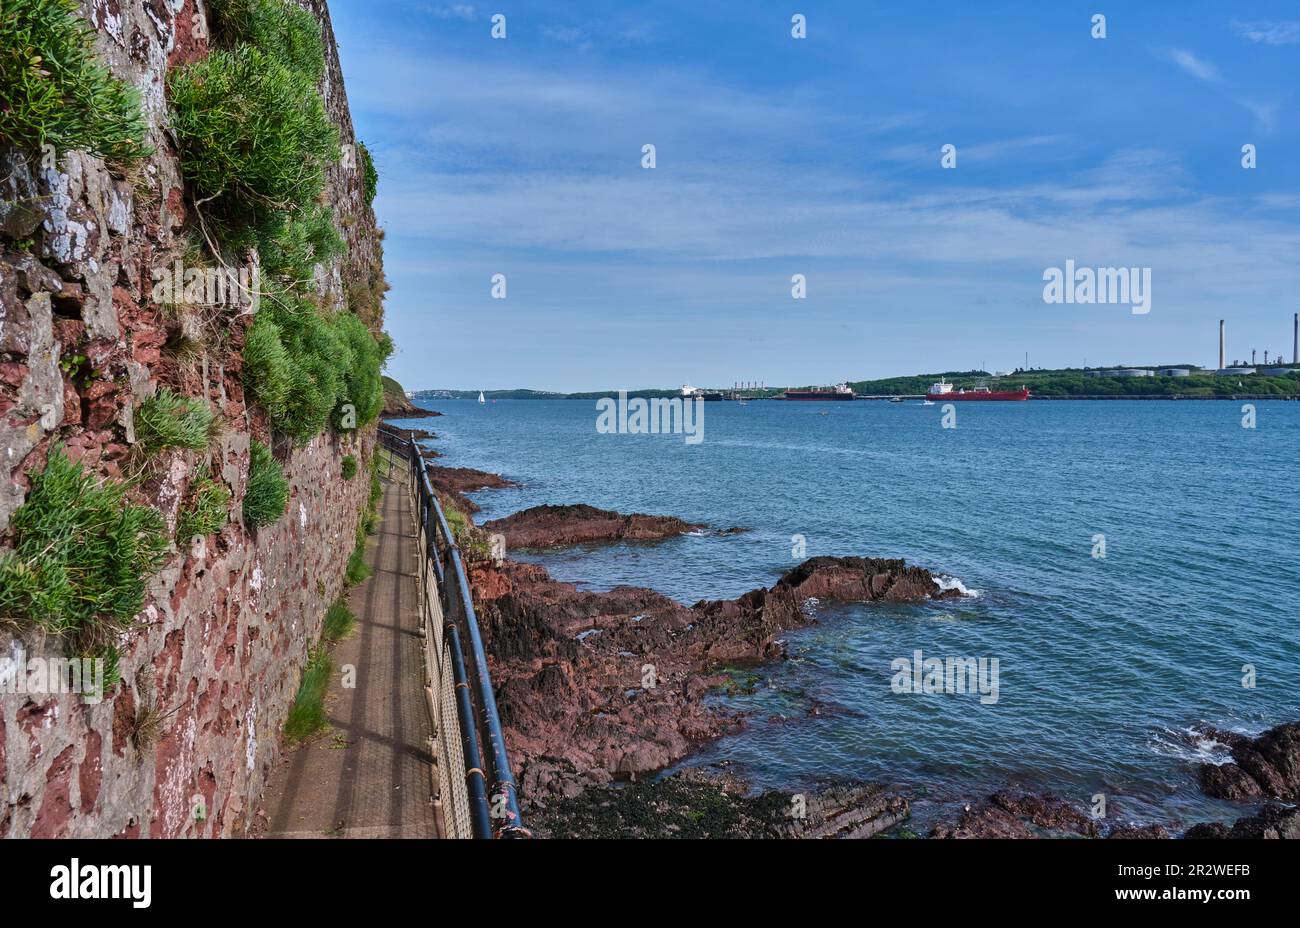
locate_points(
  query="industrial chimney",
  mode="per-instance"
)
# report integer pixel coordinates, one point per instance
(1222, 357)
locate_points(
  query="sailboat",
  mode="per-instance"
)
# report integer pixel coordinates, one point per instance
(480, 397)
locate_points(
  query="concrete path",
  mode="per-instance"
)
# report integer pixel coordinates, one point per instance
(369, 774)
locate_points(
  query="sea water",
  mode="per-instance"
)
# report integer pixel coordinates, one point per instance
(1131, 565)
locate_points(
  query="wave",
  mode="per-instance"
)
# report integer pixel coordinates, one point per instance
(952, 583)
(1191, 744)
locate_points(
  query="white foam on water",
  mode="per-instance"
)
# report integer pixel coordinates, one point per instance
(1192, 745)
(952, 583)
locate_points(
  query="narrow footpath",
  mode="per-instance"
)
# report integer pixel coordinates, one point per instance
(368, 775)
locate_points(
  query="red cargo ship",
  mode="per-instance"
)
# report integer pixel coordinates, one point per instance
(944, 391)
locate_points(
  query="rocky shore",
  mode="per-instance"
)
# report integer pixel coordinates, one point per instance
(1266, 767)
(700, 803)
(452, 483)
(556, 526)
(602, 686)
(600, 691)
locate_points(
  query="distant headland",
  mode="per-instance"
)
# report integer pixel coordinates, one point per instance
(1160, 381)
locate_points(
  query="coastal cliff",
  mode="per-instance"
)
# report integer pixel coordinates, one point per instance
(192, 413)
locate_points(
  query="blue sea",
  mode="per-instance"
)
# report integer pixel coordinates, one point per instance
(1105, 663)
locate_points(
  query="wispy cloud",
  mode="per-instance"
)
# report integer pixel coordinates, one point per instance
(523, 158)
(576, 36)
(463, 11)
(1265, 114)
(1194, 66)
(1269, 33)
(526, 190)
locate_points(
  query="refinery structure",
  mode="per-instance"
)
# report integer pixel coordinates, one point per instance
(1277, 367)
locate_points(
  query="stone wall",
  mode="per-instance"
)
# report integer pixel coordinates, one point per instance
(212, 664)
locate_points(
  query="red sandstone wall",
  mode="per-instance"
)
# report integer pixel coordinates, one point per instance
(219, 648)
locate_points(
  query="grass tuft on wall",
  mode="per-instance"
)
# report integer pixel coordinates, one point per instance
(339, 621)
(169, 420)
(255, 142)
(54, 91)
(206, 510)
(82, 555)
(369, 175)
(253, 134)
(267, 494)
(307, 714)
(272, 24)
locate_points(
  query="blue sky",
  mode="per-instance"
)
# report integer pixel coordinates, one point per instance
(820, 156)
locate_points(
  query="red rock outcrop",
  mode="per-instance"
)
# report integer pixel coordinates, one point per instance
(1018, 815)
(598, 686)
(1266, 766)
(556, 526)
(1272, 822)
(452, 483)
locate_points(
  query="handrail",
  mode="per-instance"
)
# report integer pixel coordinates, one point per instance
(476, 703)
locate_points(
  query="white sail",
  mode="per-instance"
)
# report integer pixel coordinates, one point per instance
(480, 397)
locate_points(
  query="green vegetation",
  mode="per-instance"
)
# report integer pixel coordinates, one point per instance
(1042, 383)
(362, 381)
(307, 715)
(290, 30)
(339, 621)
(1202, 385)
(253, 133)
(369, 176)
(310, 369)
(393, 389)
(1074, 382)
(170, 420)
(456, 520)
(207, 510)
(291, 246)
(268, 490)
(357, 569)
(268, 372)
(349, 467)
(53, 91)
(82, 554)
(255, 142)
(371, 517)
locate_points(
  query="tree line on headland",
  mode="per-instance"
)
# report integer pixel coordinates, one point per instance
(1071, 382)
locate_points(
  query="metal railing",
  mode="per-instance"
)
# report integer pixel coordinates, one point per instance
(476, 788)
